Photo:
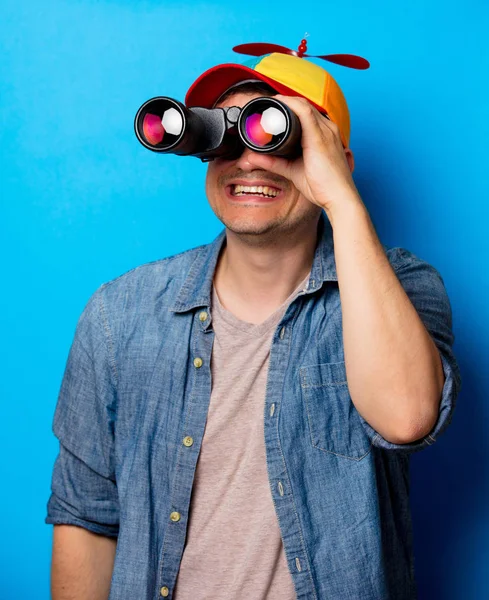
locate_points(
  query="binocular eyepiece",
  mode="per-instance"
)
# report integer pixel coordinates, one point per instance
(264, 124)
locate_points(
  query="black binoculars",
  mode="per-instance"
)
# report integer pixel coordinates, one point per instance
(264, 124)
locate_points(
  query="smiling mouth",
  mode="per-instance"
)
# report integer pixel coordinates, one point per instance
(264, 191)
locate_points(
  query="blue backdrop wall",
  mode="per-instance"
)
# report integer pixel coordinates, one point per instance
(83, 202)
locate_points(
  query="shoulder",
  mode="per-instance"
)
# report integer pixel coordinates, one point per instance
(402, 259)
(147, 282)
(398, 256)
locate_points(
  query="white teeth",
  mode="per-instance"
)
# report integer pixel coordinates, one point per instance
(240, 190)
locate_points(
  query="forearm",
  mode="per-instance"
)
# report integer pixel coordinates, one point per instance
(394, 371)
(82, 564)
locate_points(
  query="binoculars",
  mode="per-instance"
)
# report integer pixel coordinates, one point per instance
(264, 124)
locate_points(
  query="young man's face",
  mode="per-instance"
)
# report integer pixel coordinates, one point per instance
(252, 214)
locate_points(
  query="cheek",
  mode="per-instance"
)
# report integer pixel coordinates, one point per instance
(210, 179)
(211, 185)
(214, 171)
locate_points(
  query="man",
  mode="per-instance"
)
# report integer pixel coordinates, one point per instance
(236, 421)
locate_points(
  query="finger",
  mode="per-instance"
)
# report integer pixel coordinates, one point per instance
(308, 114)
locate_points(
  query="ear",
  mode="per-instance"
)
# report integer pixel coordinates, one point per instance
(350, 159)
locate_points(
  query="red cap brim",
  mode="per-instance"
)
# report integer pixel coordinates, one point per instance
(214, 82)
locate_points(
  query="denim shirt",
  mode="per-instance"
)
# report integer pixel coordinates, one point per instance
(132, 409)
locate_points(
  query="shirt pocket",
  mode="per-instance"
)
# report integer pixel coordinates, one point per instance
(334, 423)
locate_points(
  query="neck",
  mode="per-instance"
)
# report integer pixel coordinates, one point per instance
(253, 277)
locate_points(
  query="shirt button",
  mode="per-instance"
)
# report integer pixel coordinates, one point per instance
(203, 316)
(175, 516)
(164, 591)
(198, 362)
(188, 441)
(282, 333)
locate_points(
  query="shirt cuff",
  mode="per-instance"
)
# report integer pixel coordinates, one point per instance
(59, 514)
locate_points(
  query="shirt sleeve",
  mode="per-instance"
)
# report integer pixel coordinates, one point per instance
(425, 288)
(83, 485)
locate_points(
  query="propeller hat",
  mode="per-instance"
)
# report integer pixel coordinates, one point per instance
(288, 73)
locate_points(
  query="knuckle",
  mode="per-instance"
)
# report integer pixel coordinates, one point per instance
(304, 102)
(330, 132)
(334, 127)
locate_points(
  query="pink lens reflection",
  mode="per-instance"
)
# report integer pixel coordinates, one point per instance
(255, 132)
(153, 130)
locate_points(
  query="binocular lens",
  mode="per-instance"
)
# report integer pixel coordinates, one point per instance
(266, 128)
(163, 128)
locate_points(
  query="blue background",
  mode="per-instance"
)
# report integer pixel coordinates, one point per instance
(83, 202)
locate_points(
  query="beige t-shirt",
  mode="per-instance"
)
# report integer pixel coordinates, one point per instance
(233, 547)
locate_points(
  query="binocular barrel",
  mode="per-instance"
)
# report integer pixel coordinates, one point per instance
(264, 124)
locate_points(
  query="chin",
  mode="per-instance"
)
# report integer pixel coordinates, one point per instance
(248, 224)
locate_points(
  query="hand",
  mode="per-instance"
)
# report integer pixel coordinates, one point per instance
(322, 174)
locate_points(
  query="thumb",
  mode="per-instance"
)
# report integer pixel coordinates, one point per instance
(274, 164)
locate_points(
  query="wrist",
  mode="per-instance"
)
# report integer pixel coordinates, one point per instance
(346, 207)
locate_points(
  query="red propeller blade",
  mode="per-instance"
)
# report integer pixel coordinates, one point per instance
(346, 60)
(259, 49)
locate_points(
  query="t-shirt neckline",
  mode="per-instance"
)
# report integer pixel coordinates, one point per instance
(255, 329)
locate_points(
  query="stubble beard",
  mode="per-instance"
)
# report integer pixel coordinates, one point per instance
(267, 232)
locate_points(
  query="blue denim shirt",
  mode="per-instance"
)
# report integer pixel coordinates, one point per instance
(138, 382)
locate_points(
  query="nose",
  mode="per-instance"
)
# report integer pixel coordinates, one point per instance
(243, 162)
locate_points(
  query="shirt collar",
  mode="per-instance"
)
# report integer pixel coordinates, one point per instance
(196, 290)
